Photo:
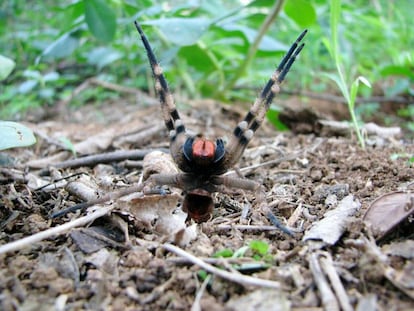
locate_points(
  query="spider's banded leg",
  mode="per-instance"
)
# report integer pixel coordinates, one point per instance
(244, 131)
(169, 111)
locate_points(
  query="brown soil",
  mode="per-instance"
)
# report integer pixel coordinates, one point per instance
(61, 273)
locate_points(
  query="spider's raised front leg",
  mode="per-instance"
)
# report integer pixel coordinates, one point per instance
(193, 154)
(245, 130)
(172, 120)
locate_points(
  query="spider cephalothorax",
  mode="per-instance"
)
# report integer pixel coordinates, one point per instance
(204, 161)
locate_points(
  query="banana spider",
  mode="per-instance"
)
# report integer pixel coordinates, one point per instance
(203, 161)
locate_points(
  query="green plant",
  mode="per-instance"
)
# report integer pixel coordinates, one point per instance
(15, 135)
(349, 92)
(214, 49)
(12, 134)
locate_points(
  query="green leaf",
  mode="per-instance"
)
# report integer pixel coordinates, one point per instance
(202, 274)
(15, 135)
(181, 31)
(103, 56)
(273, 116)
(267, 43)
(395, 70)
(259, 247)
(68, 144)
(100, 19)
(301, 11)
(61, 47)
(226, 253)
(6, 67)
(354, 89)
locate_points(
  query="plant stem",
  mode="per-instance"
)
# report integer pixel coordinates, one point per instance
(274, 12)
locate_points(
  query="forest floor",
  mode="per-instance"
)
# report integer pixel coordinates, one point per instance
(350, 210)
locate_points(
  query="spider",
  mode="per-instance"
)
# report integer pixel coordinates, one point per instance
(204, 161)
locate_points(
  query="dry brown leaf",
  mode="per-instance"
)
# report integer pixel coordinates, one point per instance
(388, 211)
(159, 213)
(330, 228)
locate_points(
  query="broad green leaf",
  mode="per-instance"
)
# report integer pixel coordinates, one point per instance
(61, 47)
(6, 67)
(197, 58)
(181, 31)
(103, 56)
(51, 76)
(267, 43)
(396, 70)
(15, 135)
(26, 86)
(301, 11)
(100, 19)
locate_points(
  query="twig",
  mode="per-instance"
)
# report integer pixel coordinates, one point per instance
(142, 136)
(196, 304)
(245, 228)
(30, 240)
(329, 301)
(271, 162)
(329, 269)
(109, 196)
(115, 156)
(233, 277)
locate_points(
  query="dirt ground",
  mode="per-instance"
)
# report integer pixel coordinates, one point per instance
(318, 184)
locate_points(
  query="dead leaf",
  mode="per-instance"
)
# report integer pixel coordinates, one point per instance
(159, 213)
(331, 227)
(388, 211)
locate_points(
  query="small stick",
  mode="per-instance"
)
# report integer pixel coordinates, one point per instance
(196, 304)
(110, 196)
(245, 228)
(327, 296)
(107, 157)
(30, 240)
(329, 269)
(233, 277)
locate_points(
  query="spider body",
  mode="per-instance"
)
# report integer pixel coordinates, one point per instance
(204, 161)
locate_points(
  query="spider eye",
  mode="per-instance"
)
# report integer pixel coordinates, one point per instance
(220, 151)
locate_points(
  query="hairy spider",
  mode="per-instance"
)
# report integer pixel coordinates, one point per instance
(203, 161)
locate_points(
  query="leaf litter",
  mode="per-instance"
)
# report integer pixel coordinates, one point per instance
(350, 209)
